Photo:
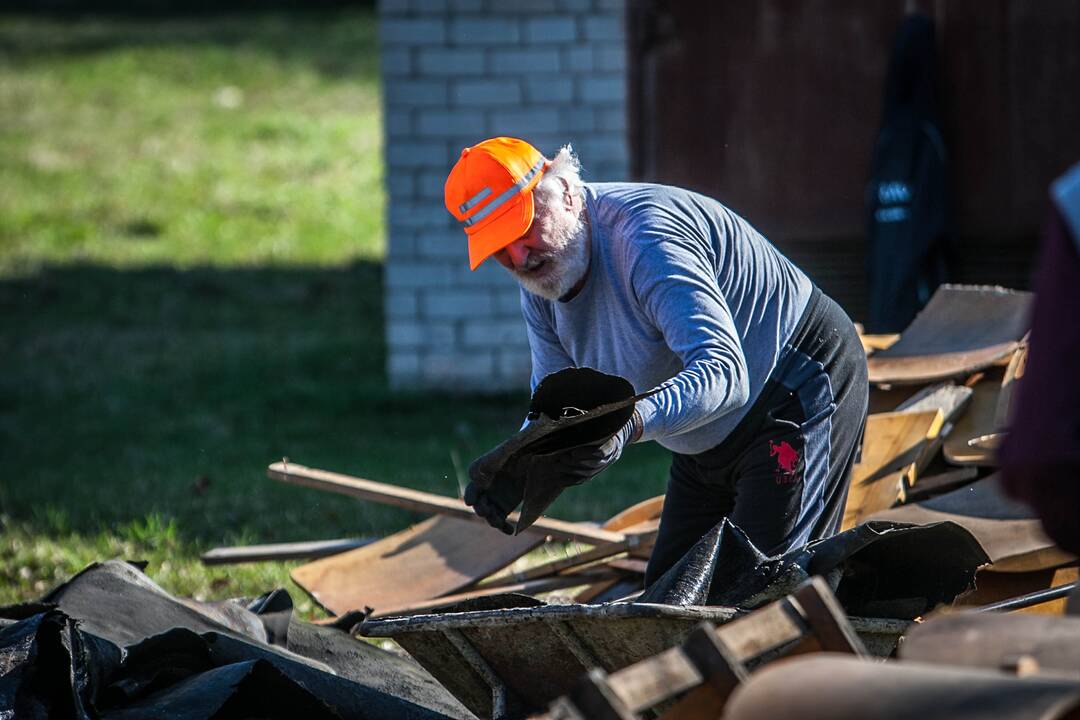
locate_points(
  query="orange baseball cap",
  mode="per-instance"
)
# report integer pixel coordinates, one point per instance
(489, 191)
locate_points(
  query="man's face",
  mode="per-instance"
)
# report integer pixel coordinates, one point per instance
(550, 258)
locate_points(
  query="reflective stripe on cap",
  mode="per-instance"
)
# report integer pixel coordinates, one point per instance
(474, 200)
(504, 197)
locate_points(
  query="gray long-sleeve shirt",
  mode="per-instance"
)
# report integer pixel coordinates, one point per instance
(679, 288)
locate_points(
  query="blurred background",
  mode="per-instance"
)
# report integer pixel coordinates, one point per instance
(222, 239)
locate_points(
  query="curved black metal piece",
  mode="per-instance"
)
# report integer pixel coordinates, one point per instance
(569, 408)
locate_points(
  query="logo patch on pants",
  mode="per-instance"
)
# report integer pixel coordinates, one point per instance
(787, 462)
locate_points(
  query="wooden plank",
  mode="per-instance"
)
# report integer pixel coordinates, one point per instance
(643, 511)
(639, 523)
(646, 510)
(717, 663)
(590, 593)
(892, 451)
(749, 636)
(826, 619)
(722, 673)
(655, 679)
(938, 484)
(593, 698)
(632, 566)
(438, 556)
(309, 550)
(701, 660)
(951, 399)
(872, 342)
(645, 532)
(710, 661)
(424, 502)
(554, 567)
(1013, 373)
(636, 514)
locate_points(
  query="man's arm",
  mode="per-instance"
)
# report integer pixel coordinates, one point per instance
(677, 289)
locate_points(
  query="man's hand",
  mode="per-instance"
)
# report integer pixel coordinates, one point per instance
(494, 493)
(496, 489)
(578, 464)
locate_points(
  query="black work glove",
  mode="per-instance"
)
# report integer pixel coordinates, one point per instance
(584, 462)
(538, 478)
(493, 493)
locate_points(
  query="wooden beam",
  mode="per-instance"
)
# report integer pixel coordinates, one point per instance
(939, 484)
(645, 532)
(636, 514)
(425, 502)
(653, 680)
(554, 567)
(893, 453)
(309, 550)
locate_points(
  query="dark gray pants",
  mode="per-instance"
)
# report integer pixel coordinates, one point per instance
(782, 474)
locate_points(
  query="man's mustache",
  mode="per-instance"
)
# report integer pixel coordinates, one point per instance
(534, 261)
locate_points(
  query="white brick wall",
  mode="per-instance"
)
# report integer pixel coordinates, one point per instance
(455, 72)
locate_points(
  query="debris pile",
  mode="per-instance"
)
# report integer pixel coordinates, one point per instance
(110, 643)
(930, 551)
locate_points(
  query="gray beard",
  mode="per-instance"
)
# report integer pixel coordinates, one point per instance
(568, 261)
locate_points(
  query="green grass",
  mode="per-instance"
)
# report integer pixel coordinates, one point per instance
(231, 142)
(191, 238)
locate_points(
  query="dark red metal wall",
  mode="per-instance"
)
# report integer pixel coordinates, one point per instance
(773, 106)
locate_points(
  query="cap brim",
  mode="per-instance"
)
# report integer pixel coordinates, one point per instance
(502, 230)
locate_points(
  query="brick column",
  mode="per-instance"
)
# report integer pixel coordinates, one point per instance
(455, 72)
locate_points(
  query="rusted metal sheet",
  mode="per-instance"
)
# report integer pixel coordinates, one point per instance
(961, 330)
(1008, 531)
(436, 557)
(996, 641)
(844, 688)
(538, 653)
(706, 113)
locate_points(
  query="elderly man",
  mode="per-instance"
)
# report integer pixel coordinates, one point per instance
(765, 380)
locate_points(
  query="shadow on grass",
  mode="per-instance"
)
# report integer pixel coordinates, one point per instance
(335, 42)
(126, 394)
(159, 391)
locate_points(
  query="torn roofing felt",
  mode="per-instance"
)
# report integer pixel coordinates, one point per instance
(879, 569)
(723, 568)
(568, 409)
(112, 644)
